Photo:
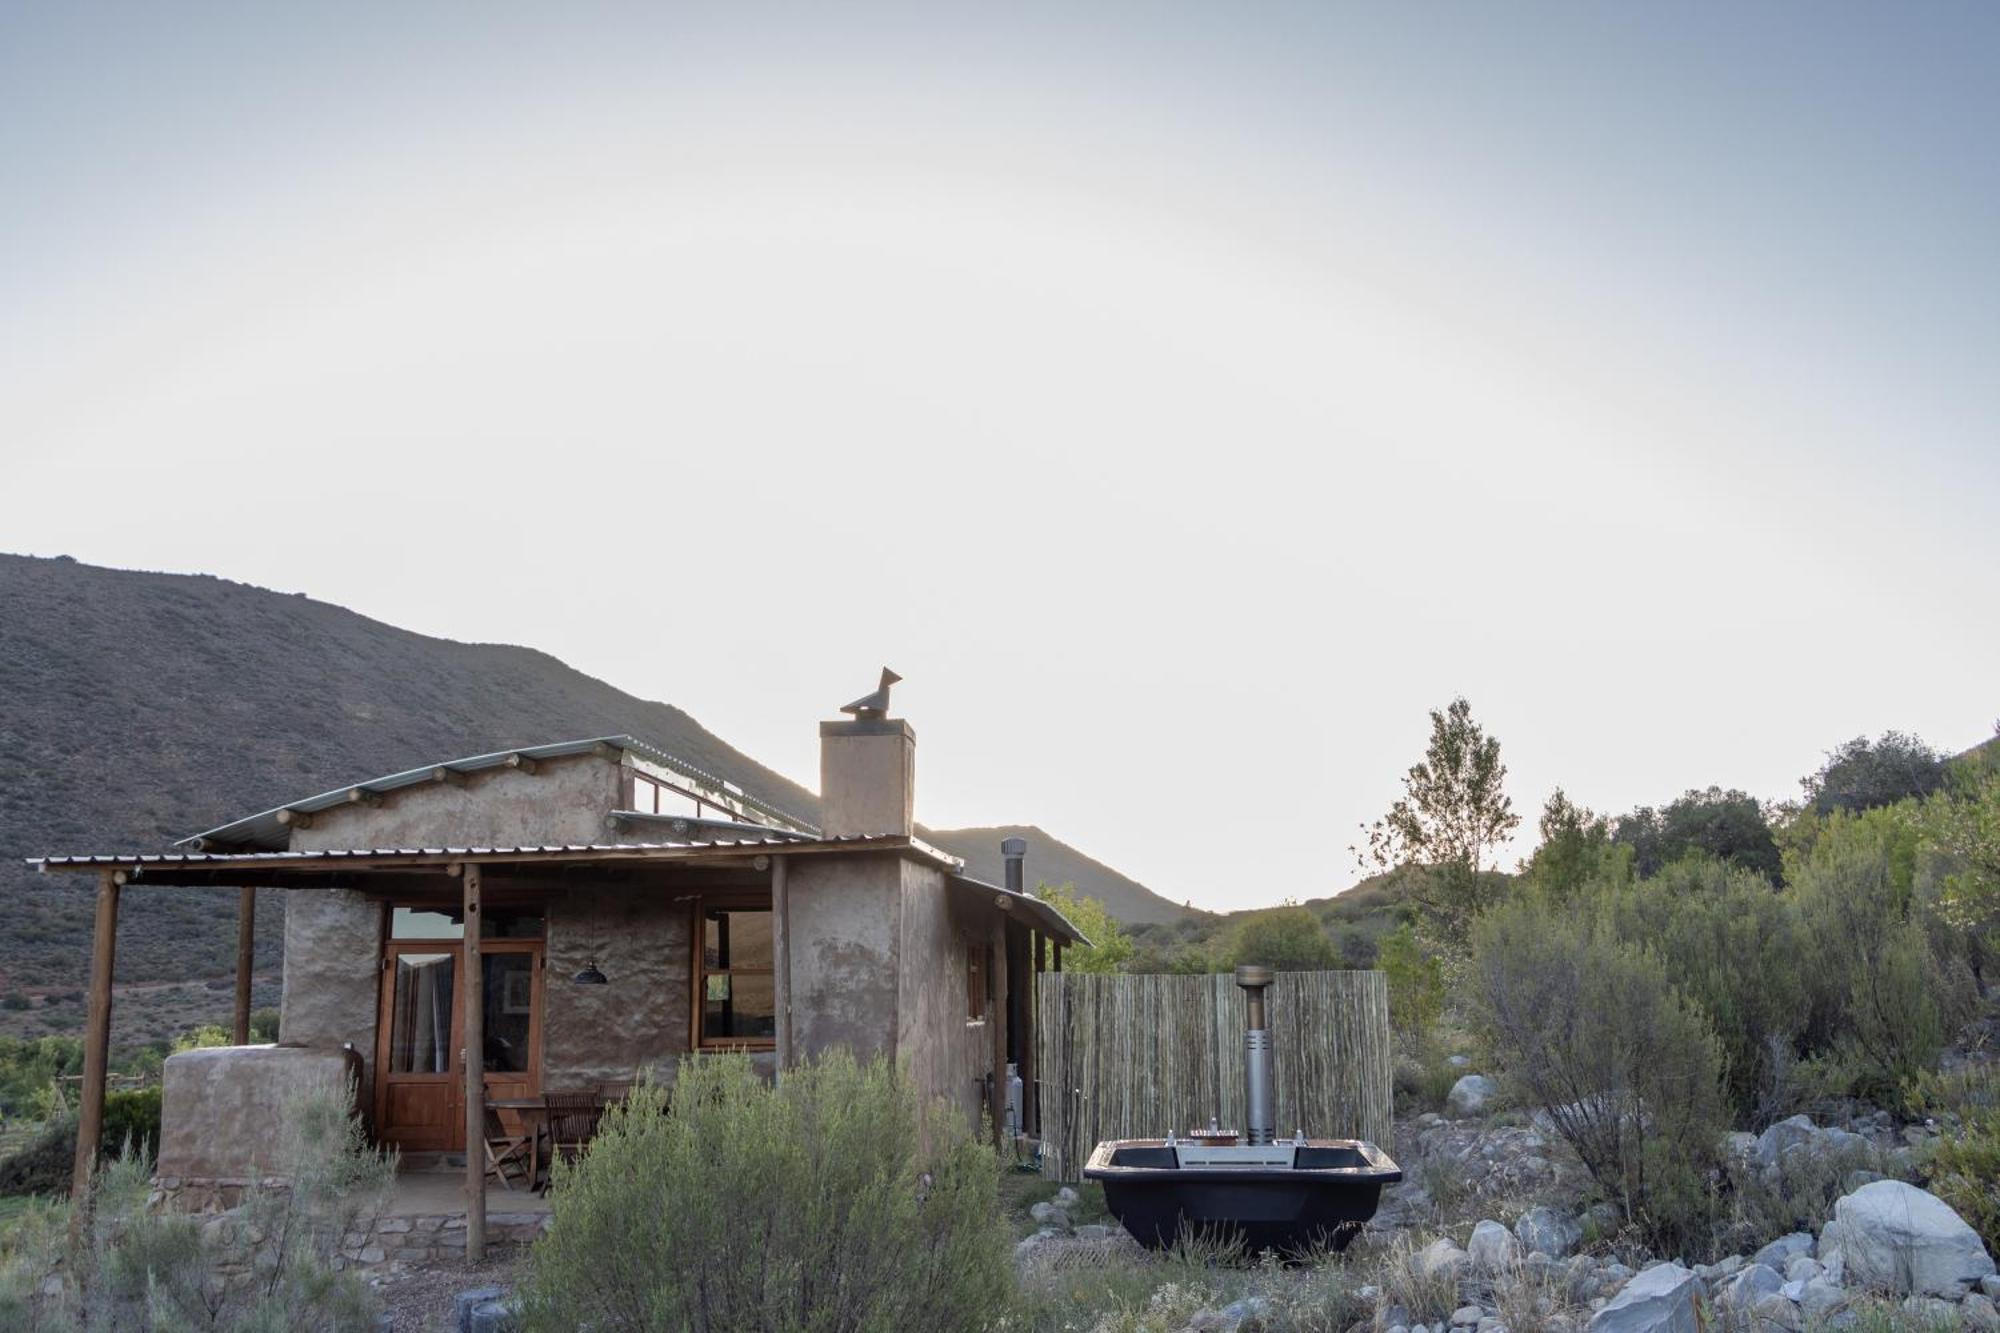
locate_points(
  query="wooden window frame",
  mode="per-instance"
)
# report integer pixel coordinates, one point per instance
(736, 900)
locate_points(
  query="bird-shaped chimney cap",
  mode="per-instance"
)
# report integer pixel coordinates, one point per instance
(876, 703)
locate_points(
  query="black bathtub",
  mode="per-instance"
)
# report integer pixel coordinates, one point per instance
(1317, 1202)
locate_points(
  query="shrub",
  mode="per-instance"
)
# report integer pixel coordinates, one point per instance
(1880, 993)
(1416, 987)
(140, 1270)
(131, 1118)
(1964, 1167)
(836, 1200)
(1589, 1027)
(1736, 948)
(1287, 939)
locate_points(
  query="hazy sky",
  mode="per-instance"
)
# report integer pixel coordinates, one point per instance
(1184, 399)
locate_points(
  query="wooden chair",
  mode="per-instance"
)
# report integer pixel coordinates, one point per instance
(573, 1118)
(509, 1149)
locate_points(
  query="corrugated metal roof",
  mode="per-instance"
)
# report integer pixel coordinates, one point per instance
(531, 852)
(265, 830)
(1051, 920)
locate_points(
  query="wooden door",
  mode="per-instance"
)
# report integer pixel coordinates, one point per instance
(420, 1081)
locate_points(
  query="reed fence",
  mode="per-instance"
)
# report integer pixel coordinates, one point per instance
(1122, 1057)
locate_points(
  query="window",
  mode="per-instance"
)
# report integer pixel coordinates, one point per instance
(975, 983)
(656, 798)
(448, 923)
(735, 988)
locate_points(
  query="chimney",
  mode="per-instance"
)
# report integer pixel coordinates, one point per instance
(1259, 1115)
(867, 770)
(1012, 851)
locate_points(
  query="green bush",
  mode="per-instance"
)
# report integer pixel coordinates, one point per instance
(131, 1117)
(1738, 949)
(1416, 988)
(1964, 1167)
(836, 1200)
(1880, 994)
(132, 1268)
(1590, 1028)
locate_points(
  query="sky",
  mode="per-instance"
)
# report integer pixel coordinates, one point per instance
(1185, 399)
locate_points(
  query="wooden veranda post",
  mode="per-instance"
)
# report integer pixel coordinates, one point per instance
(781, 948)
(996, 972)
(96, 1037)
(246, 954)
(474, 1027)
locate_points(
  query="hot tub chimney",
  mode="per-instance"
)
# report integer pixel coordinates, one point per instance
(1259, 1115)
(1012, 850)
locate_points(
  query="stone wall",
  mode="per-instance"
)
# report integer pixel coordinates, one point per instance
(333, 974)
(846, 942)
(222, 1112)
(640, 938)
(563, 801)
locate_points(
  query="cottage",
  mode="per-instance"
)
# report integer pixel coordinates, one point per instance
(620, 910)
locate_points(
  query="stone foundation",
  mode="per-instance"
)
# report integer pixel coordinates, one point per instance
(437, 1238)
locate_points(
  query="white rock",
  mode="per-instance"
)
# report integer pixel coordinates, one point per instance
(1471, 1095)
(1991, 1287)
(1458, 1061)
(1780, 1252)
(1820, 1299)
(1802, 1269)
(1467, 1316)
(1543, 1230)
(1492, 1248)
(1777, 1312)
(1773, 1142)
(1441, 1259)
(1979, 1312)
(1659, 1300)
(1931, 1310)
(1750, 1286)
(1065, 1197)
(1793, 1291)
(1902, 1239)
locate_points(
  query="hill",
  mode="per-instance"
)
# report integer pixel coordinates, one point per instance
(1052, 861)
(137, 708)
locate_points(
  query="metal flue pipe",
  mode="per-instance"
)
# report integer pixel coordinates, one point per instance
(1012, 850)
(1259, 1108)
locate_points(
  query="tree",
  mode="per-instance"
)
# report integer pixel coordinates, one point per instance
(1962, 824)
(1109, 947)
(1728, 825)
(1287, 939)
(1862, 775)
(1576, 850)
(1453, 812)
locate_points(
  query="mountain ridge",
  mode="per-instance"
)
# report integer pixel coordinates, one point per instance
(137, 708)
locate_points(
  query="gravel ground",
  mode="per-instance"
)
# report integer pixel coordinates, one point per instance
(418, 1299)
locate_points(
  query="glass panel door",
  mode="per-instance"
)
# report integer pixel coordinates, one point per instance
(417, 1065)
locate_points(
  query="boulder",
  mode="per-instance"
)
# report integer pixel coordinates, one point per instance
(1979, 1313)
(1780, 1252)
(1777, 1312)
(1820, 1299)
(1802, 1269)
(1472, 1095)
(1902, 1239)
(1751, 1285)
(1543, 1230)
(1664, 1299)
(1441, 1259)
(1467, 1316)
(1773, 1142)
(1492, 1248)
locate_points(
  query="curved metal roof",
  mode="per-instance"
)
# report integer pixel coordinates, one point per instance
(266, 830)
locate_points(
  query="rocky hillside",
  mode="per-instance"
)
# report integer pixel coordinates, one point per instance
(1050, 860)
(137, 708)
